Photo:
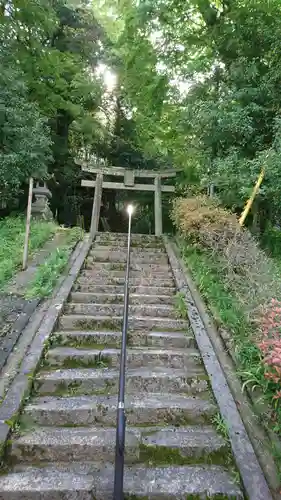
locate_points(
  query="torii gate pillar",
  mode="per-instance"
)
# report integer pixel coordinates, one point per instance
(158, 206)
(96, 205)
(128, 183)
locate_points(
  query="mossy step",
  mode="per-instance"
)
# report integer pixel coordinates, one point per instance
(107, 235)
(51, 444)
(81, 381)
(105, 298)
(140, 310)
(70, 357)
(119, 289)
(90, 270)
(110, 338)
(168, 445)
(123, 242)
(135, 249)
(86, 480)
(122, 238)
(144, 408)
(88, 322)
(119, 256)
(121, 266)
(93, 279)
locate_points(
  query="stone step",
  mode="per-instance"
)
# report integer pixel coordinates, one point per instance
(46, 484)
(104, 298)
(113, 339)
(106, 235)
(136, 357)
(103, 380)
(144, 408)
(135, 250)
(91, 279)
(116, 256)
(63, 444)
(86, 480)
(119, 289)
(136, 239)
(192, 443)
(144, 310)
(91, 271)
(121, 266)
(83, 322)
(51, 444)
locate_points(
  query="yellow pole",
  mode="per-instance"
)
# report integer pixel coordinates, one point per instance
(251, 199)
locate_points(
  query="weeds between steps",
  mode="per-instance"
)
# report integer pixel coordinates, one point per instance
(222, 429)
(221, 426)
(98, 362)
(180, 306)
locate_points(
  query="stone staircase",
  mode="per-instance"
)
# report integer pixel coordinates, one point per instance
(64, 445)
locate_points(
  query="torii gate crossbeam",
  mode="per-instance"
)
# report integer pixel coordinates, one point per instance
(128, 184)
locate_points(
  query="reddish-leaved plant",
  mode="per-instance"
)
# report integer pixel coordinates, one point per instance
(270, 345)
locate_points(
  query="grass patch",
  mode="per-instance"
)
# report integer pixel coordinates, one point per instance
(221, 426)
(12, 233)
(226, 310)
(48, 273)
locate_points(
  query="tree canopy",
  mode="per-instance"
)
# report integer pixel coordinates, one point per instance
(193, 84)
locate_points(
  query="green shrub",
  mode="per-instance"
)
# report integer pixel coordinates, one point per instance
(251, 275)
(271, 241)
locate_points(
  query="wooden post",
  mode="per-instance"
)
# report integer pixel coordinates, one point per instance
(158, 206)
(96, 206)
(27, 227)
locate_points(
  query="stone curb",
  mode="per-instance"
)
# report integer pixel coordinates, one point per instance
(16, 330)
(249, 468)
(19, 388)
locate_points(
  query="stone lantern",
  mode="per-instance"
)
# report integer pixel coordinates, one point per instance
(40, 207)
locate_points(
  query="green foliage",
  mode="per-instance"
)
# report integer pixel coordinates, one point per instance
(47, 49)
(12, 232)
(208, 98)
(253, 277)
(24, 136)
(221, 426)
(48, 273)
(271, 240)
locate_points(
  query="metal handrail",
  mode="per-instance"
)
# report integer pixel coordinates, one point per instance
(121, 417)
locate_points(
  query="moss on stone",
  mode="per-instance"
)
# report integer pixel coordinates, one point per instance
(163, 455)
(91, 345)
(97, 362)
(102, 325)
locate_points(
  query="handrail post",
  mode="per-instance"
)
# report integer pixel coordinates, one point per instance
(121, 417)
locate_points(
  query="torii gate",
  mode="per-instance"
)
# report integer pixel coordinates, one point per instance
(128, 183)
